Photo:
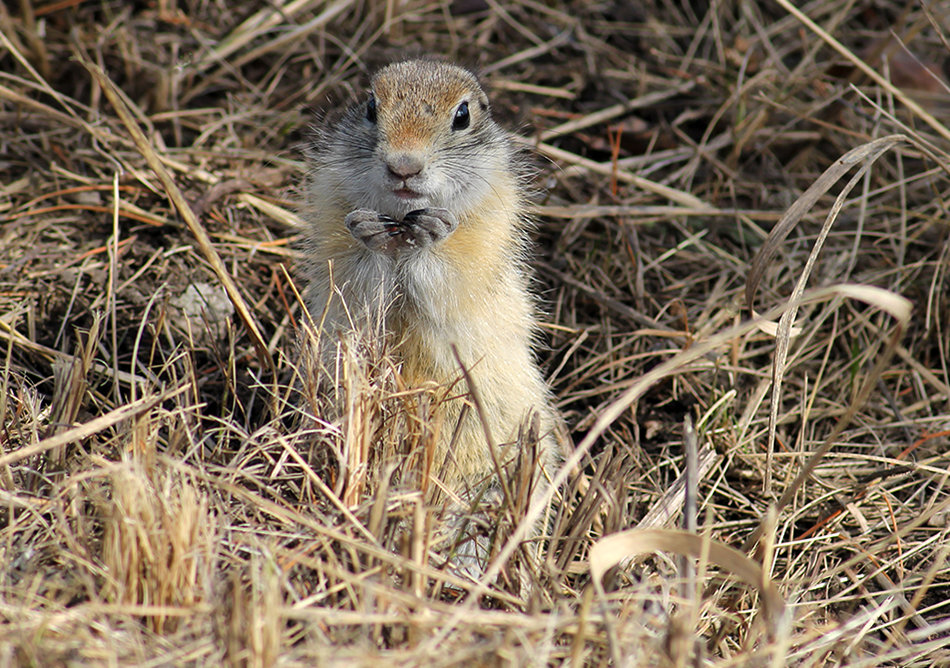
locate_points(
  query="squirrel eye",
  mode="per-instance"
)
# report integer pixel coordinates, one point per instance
(462, 118)
(371, 110)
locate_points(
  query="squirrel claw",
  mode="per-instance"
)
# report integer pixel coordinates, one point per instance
(376, 232)
(431, 225)
(419, 229)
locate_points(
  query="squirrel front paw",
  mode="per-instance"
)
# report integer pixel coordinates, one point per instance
(428, 226)
(376, 231)
(419, 229)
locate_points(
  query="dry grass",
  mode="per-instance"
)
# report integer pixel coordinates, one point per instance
(164, 502)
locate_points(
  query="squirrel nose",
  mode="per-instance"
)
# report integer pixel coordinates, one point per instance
(404, 165)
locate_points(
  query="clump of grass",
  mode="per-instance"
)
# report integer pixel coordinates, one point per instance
(158, 547)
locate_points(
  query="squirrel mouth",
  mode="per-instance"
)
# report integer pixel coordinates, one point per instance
(406, 193)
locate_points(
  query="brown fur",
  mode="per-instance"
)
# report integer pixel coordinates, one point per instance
(468, 290)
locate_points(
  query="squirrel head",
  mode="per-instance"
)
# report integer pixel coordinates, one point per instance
(422, 136)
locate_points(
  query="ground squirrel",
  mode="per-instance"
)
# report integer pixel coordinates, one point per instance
(416, 230)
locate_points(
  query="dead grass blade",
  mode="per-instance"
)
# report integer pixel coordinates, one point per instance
(861, 156)
(614, 549)
(259, 23)
(869, 71)
(898, 308)
(175, 195)
(670, 504)
(615, 110)
(607, 169)
(864, 155)
(92, 427)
